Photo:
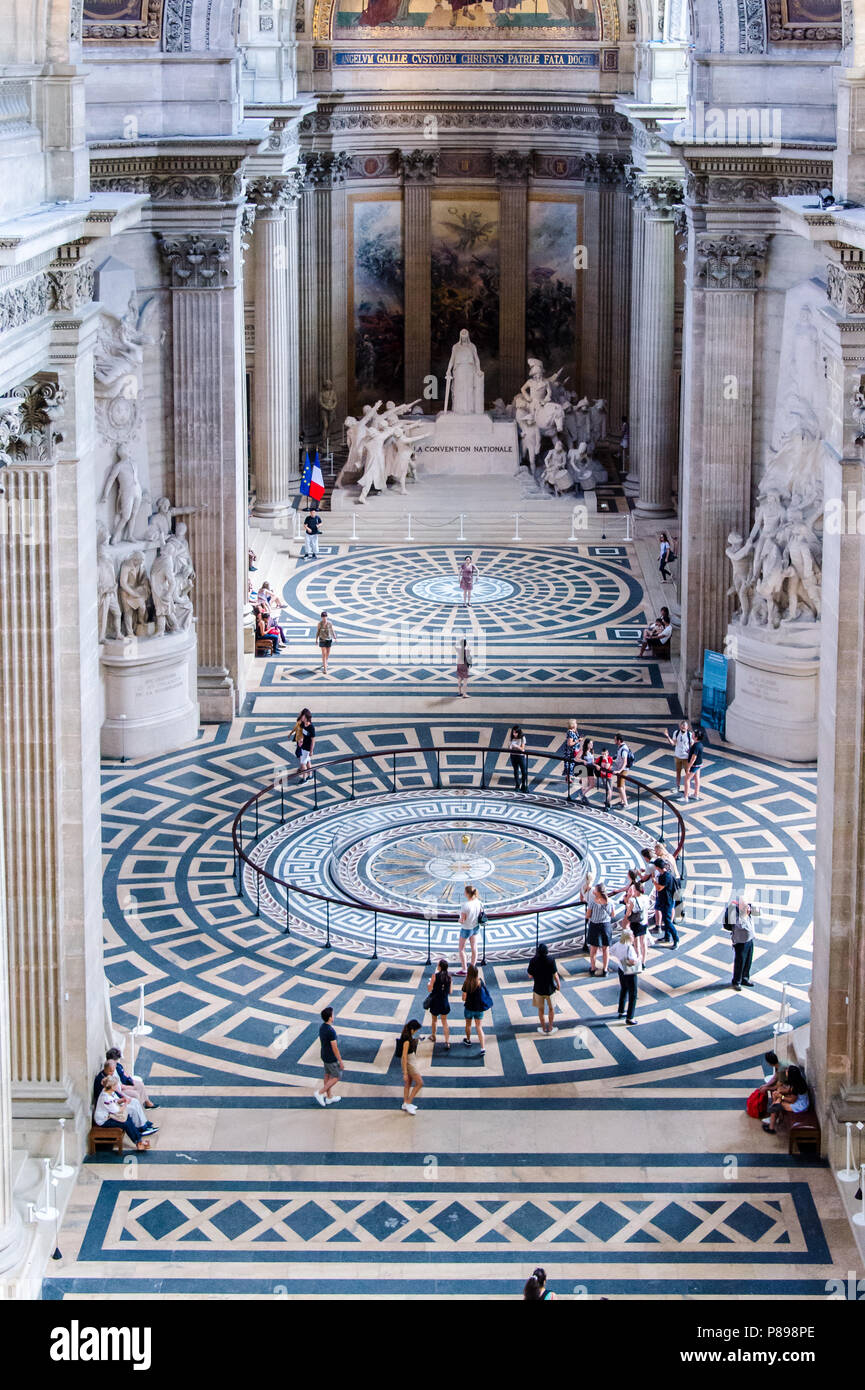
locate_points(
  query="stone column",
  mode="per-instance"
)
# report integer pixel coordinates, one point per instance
(308, 304)
(418, 168)
(652, 374)
(620, 300)
(512, 173)
(275, 390)
(11, 1228)
(328, 174)
(836, 1051)
(632, 481)
(726, 270)
(209, 462)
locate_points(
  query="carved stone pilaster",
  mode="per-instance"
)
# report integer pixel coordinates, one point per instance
(512, 166)
(418, 166)
(196, 262)
(730, 262)
(70, 279)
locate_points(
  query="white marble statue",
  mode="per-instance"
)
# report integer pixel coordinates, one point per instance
(327, 403)
(119, 353)
(530, 437)
(597, 424)
(163, 586)
(124, 474)
(464, 380)
(557, 475)
(184, 576)
(108, 607)
(134, 590)
(537, 395)
(159, 526)
(375, 470)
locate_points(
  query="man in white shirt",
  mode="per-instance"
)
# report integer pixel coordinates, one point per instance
(680, 741)
(110, 1112)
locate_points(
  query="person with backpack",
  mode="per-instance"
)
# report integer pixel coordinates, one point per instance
(758, 1101)
(545, 981)
(666, 555)
(680, 741)
(738, 921)
(791, 1096)
(587, 758)
(438, 1002)
(535, 1290)
(622, 763)
(476, 1001)
(605, 776)
(665, 902)
(325, 636)
(412, 1081)
(629, 965)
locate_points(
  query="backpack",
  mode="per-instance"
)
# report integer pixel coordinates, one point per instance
(629, 758)
(757, 1104)
(486, 997)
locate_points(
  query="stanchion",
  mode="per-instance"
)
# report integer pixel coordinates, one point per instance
(484, 940)
(859, 1217)
(47, 1212)
(628, 536)
(782, 1026)
(848, 1173)
(461, 536)
(353, 529)
(408, 534)
(516, 535)
(141, 1029)
(62, 1169)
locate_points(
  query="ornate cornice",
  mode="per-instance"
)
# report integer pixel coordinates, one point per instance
(418, 166)
(410, 117)
(730, 262)
(195, 261)
(168, 179)
(739, 179)
(146, 28)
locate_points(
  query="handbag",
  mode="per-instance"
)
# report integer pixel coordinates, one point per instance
(482, 917)
(427, 1003)
(757, 1104)
(486, 997)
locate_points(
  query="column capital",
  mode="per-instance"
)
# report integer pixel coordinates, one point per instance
(326, 169)
(195, 261)
(730, 261)
(661, 196)
(271, 194)
(512, 166)
(27, 417)
(604, 169)
(418, 166)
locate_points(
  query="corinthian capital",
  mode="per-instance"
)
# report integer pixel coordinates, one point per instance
(418, 166)
(195, 261)
(269, 195)
(661, 196)
(512, 166)
(730, 261)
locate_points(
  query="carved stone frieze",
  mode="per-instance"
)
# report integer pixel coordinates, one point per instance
(782, 31)
(415, 117)
(168, 179)
(845, 286)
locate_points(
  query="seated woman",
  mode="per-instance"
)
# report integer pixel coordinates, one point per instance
(262, 629)
(110, 1112)
(657, 635)
(792, 1096)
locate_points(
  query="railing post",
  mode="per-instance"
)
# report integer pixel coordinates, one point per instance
(327, 923)
(281, 804)
(393, 778)
(256, 818)
(638, 803)
(461, 536)
(484, 941)
(375, 935)
(287, 931)
(663, 809)
(537, 929)
(429, 941)
(257, 893)
(438, 771)
(483, 768)
(352, 779)
(315, 788)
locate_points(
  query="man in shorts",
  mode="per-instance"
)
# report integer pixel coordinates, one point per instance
(307, 744)
(620, 768)
(333, 1063)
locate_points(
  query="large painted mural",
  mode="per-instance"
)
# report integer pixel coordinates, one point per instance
(376, 290)
(440, 18)
(552, 289)
(464, 269)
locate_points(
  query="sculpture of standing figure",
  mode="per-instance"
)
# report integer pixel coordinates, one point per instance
(805, 578)
(327, 402)
(464, 378)
(375, 473)
(163, 584)
(124, 473)
(108, 607)
(530, 437)
(597, 423)
(159, 526)
(184, 576)
(134, 589)
(739, 555)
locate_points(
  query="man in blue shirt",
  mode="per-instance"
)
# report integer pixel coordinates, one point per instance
(333, 1063)
(665, 889)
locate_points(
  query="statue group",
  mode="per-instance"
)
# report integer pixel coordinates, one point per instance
(776, 569)
(545, 409)
(381, 445)
(134, 601)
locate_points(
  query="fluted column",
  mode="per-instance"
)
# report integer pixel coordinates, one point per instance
(512, 173)
(11, 1228)
(726, 271)
(653, 376)
(327, 172)
(638, 211)
(418, 169)
(275, 391)
(209, 468)
(620, 304)
(308, 305)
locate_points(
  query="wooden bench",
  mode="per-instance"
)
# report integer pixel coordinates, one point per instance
(264, 647)
(105, 1137)
(802, 1130)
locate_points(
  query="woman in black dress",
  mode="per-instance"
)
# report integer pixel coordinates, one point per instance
(545, 982)
(439, 1002)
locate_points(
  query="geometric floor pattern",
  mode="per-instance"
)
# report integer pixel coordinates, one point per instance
(356, 1223)
(234, 1003)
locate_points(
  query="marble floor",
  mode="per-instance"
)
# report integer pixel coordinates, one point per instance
(620, 1159)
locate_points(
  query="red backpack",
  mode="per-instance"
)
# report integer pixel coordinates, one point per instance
(757, 1104)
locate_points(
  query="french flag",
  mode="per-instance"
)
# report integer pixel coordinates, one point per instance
(312, 482)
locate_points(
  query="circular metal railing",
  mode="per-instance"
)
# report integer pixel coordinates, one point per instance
(341, 780)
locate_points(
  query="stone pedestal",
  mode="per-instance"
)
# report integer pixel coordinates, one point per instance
(469, 444)
(775, 694)
(151, 705)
